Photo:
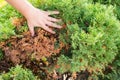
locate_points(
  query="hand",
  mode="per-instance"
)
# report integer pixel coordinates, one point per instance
(39, 18)
(34, 16)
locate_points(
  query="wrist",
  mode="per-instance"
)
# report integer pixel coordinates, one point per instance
(23, 6)
(28, 12)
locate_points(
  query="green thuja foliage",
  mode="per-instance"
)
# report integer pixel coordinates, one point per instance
(36, 3)
(93, 39)
(69, 10)
(6, 27)
(92, 33)
(7, 12)
(111, 2)
(115, 73)
(18, 73)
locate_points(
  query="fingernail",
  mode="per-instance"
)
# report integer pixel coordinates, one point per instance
(32, 35)
(59, 20)
(60, 26)
(53, 32)
(57, 12)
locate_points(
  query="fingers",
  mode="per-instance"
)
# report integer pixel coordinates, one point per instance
(43, 20)
(31, 28)
(48, 29)
(51, 24)
(52, 12)
(53, 19)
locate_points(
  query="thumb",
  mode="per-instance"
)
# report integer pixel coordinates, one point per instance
(31, 28)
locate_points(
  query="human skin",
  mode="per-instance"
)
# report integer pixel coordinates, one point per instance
(35, 17)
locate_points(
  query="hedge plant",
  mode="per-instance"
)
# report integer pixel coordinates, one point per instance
(92, 33)
(7, 29)
(18, 73)
(115, 3)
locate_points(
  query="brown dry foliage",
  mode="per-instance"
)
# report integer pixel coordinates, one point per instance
(18, 21)
(19, 50)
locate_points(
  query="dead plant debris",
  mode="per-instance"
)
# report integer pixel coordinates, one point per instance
(27, 48)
